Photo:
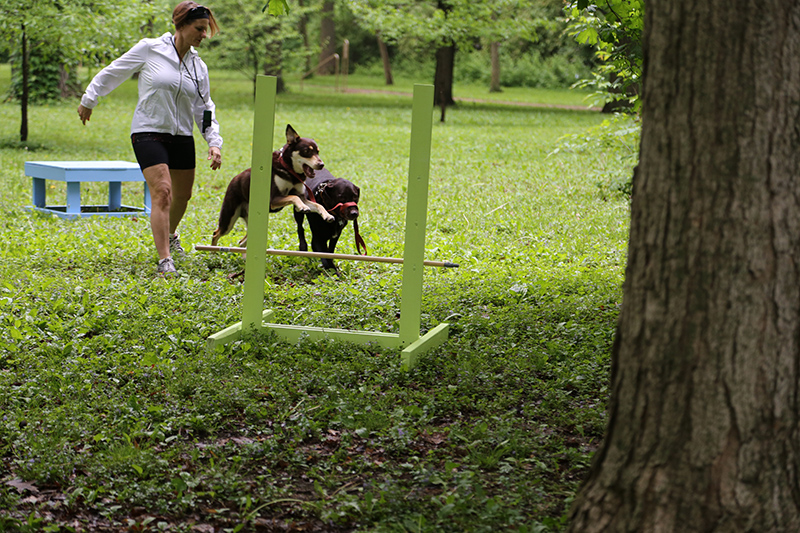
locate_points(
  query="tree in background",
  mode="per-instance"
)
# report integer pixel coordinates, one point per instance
(48, 49)
(327, 38)
(302, 28)
(256, 42)
(23, 21)
(435, 25)
(704, 413)
(441, 25)
(387, 65)
(533, 48)
(445, 60)
(614, 28)
(509, 19)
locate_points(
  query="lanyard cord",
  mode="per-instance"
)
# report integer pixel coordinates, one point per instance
(194, 66)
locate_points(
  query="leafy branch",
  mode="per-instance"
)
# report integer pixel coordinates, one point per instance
(614, 28)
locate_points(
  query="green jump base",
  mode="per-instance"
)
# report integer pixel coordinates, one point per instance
(409, 357)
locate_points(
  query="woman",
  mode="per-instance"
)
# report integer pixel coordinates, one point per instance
(173, 90)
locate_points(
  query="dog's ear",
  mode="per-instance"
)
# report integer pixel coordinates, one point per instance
(291, 135)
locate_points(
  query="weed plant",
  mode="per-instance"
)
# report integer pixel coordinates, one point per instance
(114, 416)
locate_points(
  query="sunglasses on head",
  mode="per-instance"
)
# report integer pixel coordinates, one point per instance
(197, 12)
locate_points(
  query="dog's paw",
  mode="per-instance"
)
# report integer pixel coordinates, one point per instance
(327, 217)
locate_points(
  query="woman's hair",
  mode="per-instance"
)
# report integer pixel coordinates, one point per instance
(188, 10)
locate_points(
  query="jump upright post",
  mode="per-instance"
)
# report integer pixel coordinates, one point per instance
(254, 315)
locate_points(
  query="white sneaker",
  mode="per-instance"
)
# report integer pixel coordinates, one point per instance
(167, 267)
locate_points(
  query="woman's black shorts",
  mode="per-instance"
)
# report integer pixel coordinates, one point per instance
(176, 151)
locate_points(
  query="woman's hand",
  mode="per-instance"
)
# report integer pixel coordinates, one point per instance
(215, 156)
(84, 113)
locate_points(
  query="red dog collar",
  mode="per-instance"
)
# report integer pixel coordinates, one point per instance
(341, 207)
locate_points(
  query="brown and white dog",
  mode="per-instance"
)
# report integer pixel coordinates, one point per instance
(291, 165)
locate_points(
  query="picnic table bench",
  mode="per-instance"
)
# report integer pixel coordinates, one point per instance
(76, 172)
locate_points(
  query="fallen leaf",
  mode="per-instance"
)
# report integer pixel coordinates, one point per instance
(22, 486)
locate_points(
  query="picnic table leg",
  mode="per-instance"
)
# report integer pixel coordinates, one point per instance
(147, 206)
(39, 192)
(114, 195)
(73, 198)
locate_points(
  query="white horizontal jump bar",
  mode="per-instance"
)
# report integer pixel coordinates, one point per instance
(323, 255)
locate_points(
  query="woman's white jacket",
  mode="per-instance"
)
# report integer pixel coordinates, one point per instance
(172, 93)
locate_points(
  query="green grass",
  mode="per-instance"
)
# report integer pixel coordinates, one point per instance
(114, 415)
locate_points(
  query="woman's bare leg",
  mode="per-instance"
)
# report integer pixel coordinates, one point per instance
(182, 183)
(160, 183)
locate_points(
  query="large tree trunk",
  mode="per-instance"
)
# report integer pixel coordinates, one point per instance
(327, 37)
(703, 430)
(23, 101)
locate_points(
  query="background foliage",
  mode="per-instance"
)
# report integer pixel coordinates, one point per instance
(614, 29)
(535, 53)
(62, 35)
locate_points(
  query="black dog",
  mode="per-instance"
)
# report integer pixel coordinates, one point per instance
(292, 165)
(340, 198)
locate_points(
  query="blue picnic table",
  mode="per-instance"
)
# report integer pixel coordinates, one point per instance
(76, 172)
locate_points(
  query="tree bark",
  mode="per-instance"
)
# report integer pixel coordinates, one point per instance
(387, 66)
(703, 431)
(495, 53)
(327, 38)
